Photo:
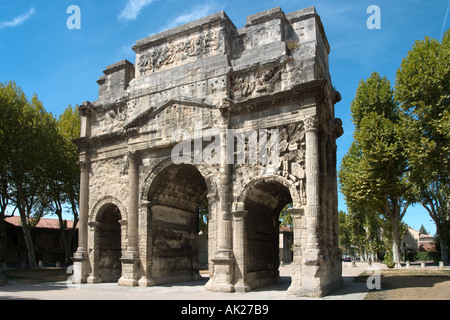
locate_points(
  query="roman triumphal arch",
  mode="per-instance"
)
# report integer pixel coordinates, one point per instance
(238, 120)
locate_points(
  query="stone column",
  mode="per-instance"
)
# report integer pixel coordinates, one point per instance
(224, 259)
(95, 229)
(145, 236)
(311, 279)
(297, 215)
(130, 259)
(240, 251)
(80, 257)
(312, 182)
(133, 203)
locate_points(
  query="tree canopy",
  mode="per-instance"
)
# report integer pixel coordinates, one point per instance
(401, 149)
(37, 166)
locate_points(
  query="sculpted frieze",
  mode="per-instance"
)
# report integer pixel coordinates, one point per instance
(176, 52)
(256, 82)
(292, 155)
(107, 120)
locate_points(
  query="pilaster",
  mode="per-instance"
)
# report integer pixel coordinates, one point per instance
(298, 221)
(130, 258)
(240, 251)
(311, 278)
(80, 258)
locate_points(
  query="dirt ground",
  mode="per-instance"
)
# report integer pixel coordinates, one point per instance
(411, 284)
(34, 275)
(430, 283)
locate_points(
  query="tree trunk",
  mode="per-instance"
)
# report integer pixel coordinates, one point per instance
(444, 252)
(3, 239)
(395, 242)
(65, 235)
(441, 230)
(29, 242)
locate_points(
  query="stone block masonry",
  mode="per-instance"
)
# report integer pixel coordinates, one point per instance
(139, 210)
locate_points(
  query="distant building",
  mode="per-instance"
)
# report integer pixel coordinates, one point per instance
(417, 242)
(47, 240)
(426, 243)
(285, 244)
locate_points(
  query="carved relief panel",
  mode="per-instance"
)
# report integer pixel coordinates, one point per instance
(203, 43)
(107, 120)
(255, 83)
(292, 155)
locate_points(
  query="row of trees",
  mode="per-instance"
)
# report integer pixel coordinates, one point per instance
(38, 165)
(401, 149)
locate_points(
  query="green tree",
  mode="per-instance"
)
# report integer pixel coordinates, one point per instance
(28, 132)
(344, 232)
(285, 217)
(62, 174)
(38, 167)
(422, 230)
(203, 212)
(373, 173)
(12, 100)
(423, 89)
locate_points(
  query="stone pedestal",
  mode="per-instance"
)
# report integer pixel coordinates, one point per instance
(130, 269)
(297, 215)
(223, 272)
(80, 267)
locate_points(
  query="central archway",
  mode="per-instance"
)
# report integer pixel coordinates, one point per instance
(175, 195)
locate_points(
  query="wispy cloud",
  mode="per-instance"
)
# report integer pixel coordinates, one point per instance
(17, 21)
(445, 20)
(132, 9)
(192, 14)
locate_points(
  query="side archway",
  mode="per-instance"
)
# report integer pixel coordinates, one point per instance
(262, 200)
(108, 230)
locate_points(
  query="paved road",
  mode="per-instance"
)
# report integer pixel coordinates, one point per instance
(180, 291)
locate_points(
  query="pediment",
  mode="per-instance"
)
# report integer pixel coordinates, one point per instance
(150, 113)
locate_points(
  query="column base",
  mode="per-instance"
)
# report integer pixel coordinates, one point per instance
(242, 286)
(94, 279)
(311, 282)
(130, 269)
(146, 282)
(80, 267)
(223, 272)
(312, 292)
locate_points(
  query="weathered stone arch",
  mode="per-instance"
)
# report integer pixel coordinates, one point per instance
(256, 234)
(243, 192)
(161, 165)
(101, 204)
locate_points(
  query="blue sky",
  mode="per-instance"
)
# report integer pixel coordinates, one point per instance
(62, 65)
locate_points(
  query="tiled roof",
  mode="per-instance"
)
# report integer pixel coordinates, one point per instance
(285, 228)
(44, 223)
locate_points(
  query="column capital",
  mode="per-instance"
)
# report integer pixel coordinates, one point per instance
(95, 225)
(311, 123)
(240, 215)
(133, 155)
(84, 165)
(296, 213)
